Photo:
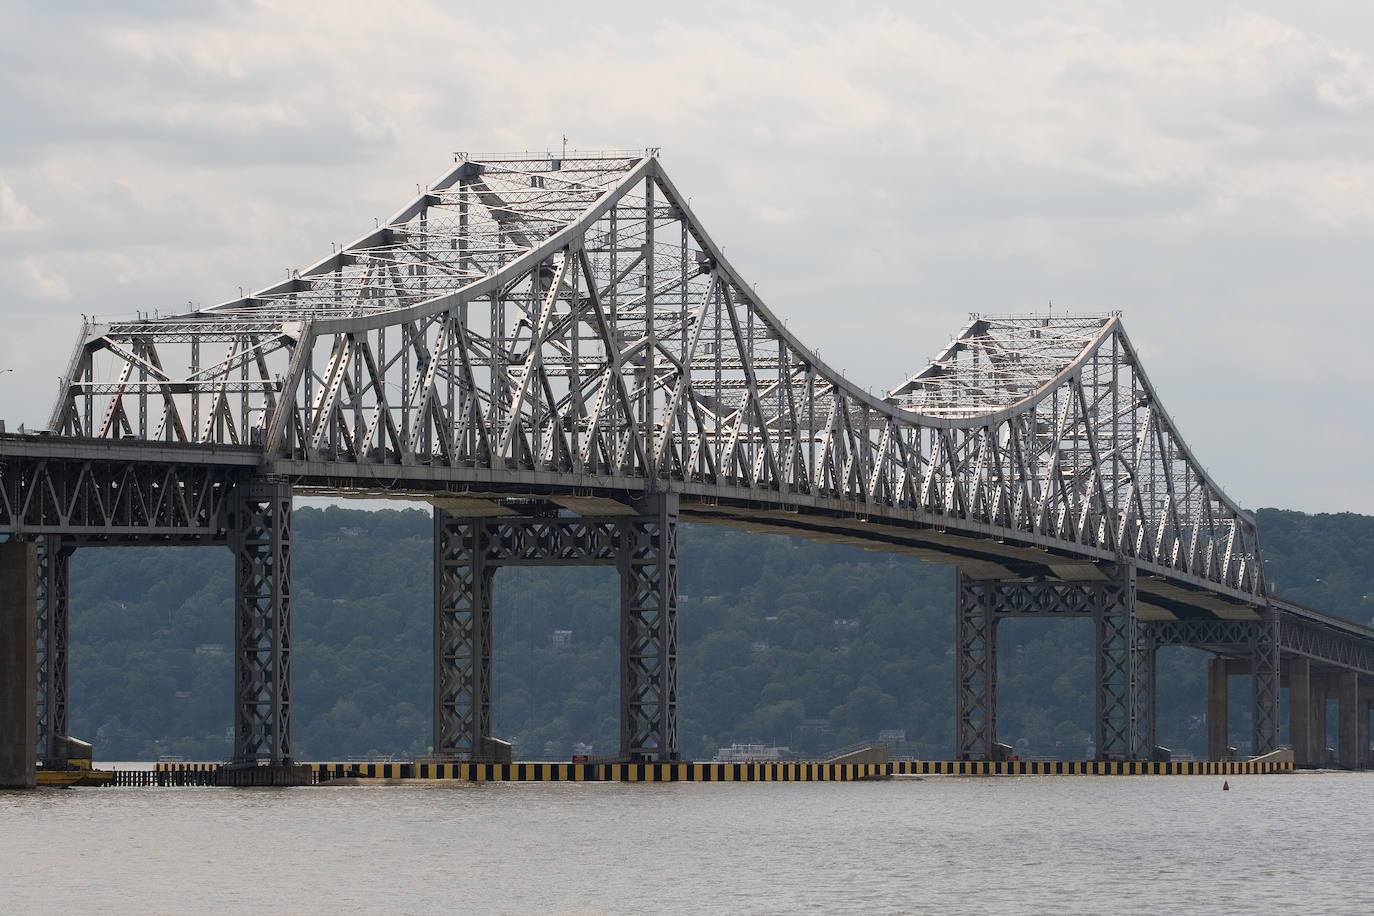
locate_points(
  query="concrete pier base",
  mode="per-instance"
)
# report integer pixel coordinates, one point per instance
(18, 664)
(1318, 732)
(1362, 727)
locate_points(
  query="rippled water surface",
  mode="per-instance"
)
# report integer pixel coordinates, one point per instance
(939, 845)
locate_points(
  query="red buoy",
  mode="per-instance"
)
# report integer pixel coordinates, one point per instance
(1225, 786)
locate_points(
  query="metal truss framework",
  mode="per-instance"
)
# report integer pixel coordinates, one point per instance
(1279, 634)
(1265, 652)
(542, 324)
(54, 557)
(1125, 657)
(569, 317)
(642, 547)
(260, 537)
(1313, 639)
(135, 497)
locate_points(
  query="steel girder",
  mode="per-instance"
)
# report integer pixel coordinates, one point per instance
(1278, 630)
(570, 315)
(1215, 635)
(113, 500)
(1124, 657)
(53, 606)
(260, 536)
(642, 547)
(1311, 639)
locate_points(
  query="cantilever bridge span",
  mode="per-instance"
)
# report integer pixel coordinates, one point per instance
(554, 353)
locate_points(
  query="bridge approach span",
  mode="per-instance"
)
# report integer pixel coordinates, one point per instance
(537, 340)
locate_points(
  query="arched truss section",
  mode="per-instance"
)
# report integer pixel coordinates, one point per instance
(569, 321)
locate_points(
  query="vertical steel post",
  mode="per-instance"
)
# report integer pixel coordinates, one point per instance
(54, 558)
(1118, 667)
(975, 677)
(647, 562)
(1264, 682)
(260, 536)
(462, 636)
(1143, 698)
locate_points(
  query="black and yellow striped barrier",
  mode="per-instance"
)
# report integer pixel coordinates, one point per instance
(1087, 767)
(187, 767)
(607, 772)
(791, 771)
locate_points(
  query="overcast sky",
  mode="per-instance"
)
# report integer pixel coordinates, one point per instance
(879, 171)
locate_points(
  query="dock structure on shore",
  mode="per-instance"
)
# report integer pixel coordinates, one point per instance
(218, 774)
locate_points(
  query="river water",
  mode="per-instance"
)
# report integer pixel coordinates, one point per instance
(1078, 844)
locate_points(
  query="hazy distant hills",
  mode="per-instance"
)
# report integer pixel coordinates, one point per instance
(782, 642)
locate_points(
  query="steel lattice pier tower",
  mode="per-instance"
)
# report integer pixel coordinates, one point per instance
(260, 537)
(53, 605)
(1124, 723)
(641, 545)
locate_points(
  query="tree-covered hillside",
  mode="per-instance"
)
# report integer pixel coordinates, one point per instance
(782, 642)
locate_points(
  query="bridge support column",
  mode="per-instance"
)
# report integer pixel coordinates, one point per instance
(260, 536)
(647, 561)
(1319, 710)
(18, 664)
(1122, 671)
(1300, 714)
(1264, 683)
(1348, 752)
(54, 563)
(975, 669)
(1362, 726)
(1145, 651)
(1218, 702)
(1124, 722)
(462, 636)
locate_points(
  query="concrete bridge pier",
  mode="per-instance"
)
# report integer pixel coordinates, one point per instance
(260, 537)
(1364, 706)
(1348, 752)
(1300, 713)
(18, 664)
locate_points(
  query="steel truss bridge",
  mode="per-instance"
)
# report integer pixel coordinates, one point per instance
(554, 354)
